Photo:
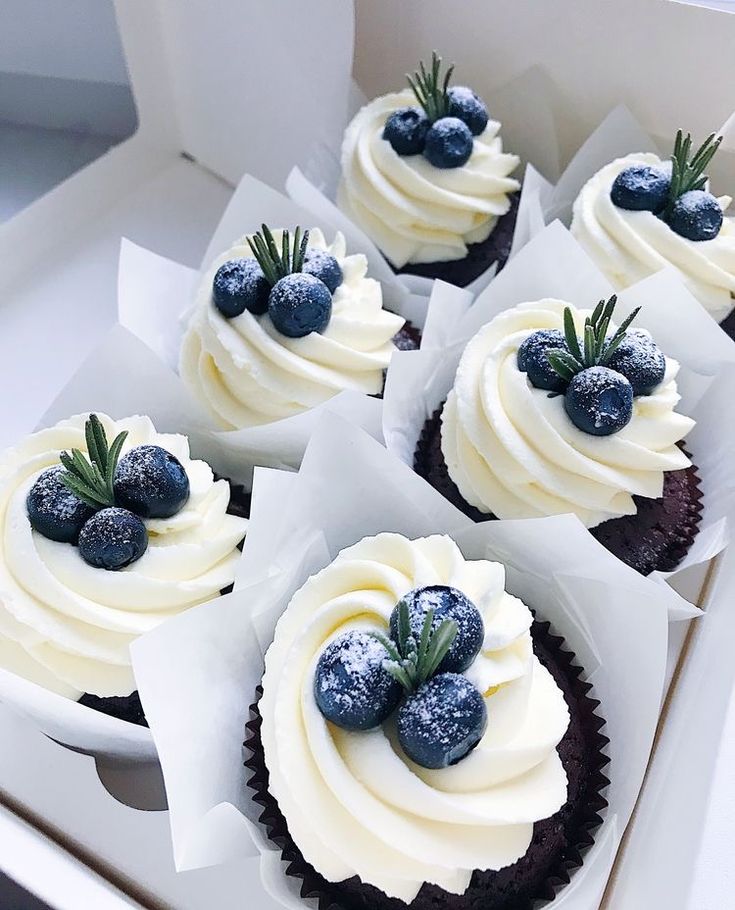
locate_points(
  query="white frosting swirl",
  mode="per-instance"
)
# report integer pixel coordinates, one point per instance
(629, 246)
(76, 622)
(246, 373)
(512, 450)
(416, 212)
(354, 804)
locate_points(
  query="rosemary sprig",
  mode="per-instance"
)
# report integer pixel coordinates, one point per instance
(430, 88)
(595, 350)
(91, 478)
(689, 174)
(275, 263)
(412, 662)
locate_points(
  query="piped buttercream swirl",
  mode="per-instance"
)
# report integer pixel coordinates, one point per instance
(246, 373)
(512, 450)
(629, 246)
(354, 804)
(68, 625)
(413, 211)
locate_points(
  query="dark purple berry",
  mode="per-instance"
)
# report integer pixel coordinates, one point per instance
(240, 285)
(599, 401)
(406, 130)
(466, 105)
(448, 143)
(324, 266)
(442, 721)
(641, 188)
(112, 539)
(533, 359)
(447, 603)
(300, 304)
(351, 687)
(53, 510)
(151, 482)
(696, 215)
(640, 360)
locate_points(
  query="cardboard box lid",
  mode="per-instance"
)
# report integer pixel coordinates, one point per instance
(200, 72)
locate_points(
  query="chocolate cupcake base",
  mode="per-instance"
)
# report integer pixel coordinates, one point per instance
(479, 258)
(558, 843)
(128, 707)
(728, 325)
(656, 538)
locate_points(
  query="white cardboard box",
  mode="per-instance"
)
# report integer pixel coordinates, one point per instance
(199, 87)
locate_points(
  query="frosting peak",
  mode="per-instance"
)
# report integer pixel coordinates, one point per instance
(354, 804)
(512, 450)
(246, 373)
(628, 246)
(412, 210)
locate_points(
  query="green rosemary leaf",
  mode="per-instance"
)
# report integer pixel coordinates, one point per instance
(441, 642)
(286, 251)
(570, 334)
(425, 635)
(430, 87)
(597, 312)
(602, 338)
(96, 438)
(113, 457)
(388, 644)
(398, 673)
(82, 468)
(564, 364)
(82, 491)
(589, 346)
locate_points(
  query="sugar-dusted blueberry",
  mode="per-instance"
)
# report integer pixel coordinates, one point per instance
(351, 687)
(696, 215)
(442, 721)
(300, 304)
(240, 285)
(447, 603)
(324, 266)
(533, 359)
(151, 482)
(406, 130)
(112, 539)
(469, 107)
(53, 510)
(641, 188)
(448, 143)
(640, 360)
(599, 401)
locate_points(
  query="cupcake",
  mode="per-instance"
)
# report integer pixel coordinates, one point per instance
(108, 529)
(419, 739)
(425, 177)
(281, 324)
(555, 410)
(639, 214)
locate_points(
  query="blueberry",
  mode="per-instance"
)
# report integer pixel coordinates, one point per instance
(351, 687)
(112, 539)
(240, 285)
(300, 304)
(696, 215)
(151, 482)
(53, 510)
(448, 603)
(406, 130)
(448, 143)
(442, 721)
(324, 266)
(641, 188)
(466, 105)
(599, 401)
(533, 359)
(640, 360)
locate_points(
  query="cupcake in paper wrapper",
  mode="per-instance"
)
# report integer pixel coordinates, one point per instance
(616, 197)
(358, 490)
(494, 448)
